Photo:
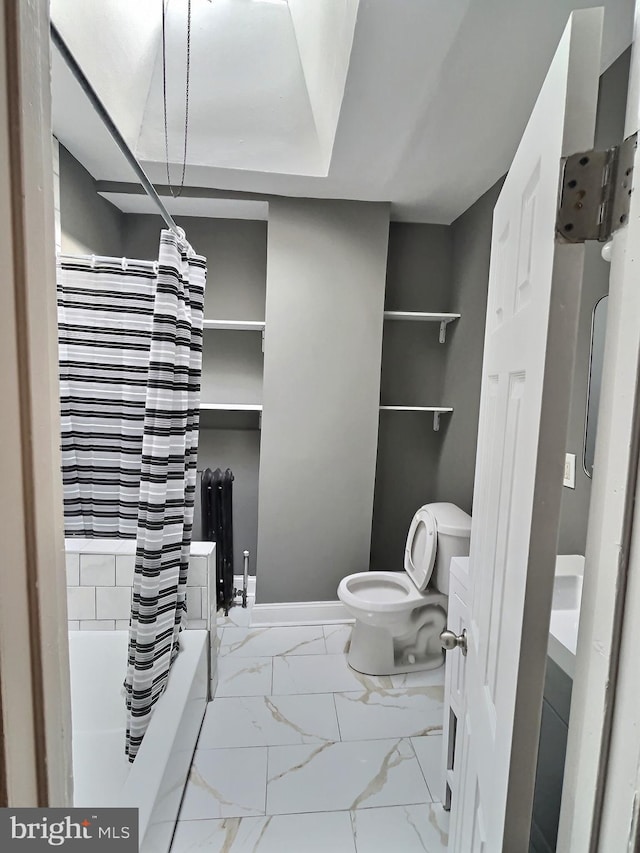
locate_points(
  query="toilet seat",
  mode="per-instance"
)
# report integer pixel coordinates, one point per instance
(379, 592)
(420, 550)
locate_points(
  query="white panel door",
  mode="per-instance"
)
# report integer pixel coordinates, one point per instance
(532, 311)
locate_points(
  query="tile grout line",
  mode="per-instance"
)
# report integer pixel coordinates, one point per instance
(266, 780)
(410, 739)
(337, 717)
(353, 830)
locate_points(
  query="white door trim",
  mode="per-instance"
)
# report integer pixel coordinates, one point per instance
(35, 753)
(596, 719)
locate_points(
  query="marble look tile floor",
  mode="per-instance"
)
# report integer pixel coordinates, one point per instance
(300, 754)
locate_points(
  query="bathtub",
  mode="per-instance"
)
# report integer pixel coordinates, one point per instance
(103, 776)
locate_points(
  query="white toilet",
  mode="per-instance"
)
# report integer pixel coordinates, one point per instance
(399, 615)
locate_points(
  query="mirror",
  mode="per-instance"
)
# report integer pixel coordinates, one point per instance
(598, 331)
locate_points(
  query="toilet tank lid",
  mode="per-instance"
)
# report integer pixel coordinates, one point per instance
(450, 519)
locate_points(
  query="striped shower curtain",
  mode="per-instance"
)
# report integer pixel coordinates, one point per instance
(167, 482)
(130, 365)
(105, 314)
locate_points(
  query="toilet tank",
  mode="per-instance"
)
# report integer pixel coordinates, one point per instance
(454, 532)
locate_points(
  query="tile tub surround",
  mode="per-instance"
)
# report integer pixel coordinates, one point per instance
(299, 752)
(100, 577)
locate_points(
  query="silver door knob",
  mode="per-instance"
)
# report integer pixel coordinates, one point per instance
(450, 641)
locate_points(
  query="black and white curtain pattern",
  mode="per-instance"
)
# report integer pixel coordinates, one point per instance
(167, 482)
(105, 313)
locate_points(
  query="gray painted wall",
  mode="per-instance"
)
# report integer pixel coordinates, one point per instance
(471, 238)
(595, 283)
(418, 279)
(325, 295)
(232, 366)
(236, 250)
(90, 225)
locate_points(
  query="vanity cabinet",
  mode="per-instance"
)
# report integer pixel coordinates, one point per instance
(554, 730)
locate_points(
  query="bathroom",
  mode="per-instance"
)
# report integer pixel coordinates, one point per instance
(339, 423)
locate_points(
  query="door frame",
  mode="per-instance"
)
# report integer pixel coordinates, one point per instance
(601, 714)
(35, 724)
(35, 730)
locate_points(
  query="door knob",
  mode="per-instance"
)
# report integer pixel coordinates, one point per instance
(449, 641)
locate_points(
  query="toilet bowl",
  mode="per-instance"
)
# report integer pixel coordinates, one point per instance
(400, 614)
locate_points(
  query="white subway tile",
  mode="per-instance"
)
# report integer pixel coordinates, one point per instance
(205, 602)
(197, 571)
(121, 546)
(211, 570)
(125, 564)
(201, 549)
(194, 603)
(81, 602)
(72, 562)
(73, 625)
(73, 544)
(97, 625)
(196, 625)
(113, 602)
(97, 569)
(122, 624)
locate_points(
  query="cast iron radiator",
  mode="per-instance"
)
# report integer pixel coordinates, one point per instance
(217, 526)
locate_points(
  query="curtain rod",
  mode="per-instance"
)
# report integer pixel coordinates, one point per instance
(119, 139)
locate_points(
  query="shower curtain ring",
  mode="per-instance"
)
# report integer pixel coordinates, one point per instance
(93, 261)
(125, 264)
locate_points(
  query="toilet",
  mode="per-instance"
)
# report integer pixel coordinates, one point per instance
(399, 615)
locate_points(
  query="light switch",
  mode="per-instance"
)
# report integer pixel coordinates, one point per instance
(569, 470)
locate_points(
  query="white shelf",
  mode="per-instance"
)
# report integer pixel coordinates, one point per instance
(231, 407)
(424, 317)
(236, 325)
(436, 411)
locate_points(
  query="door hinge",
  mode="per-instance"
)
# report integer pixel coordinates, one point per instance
(595, 192)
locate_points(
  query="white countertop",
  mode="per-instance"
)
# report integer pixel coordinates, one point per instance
(565, 612)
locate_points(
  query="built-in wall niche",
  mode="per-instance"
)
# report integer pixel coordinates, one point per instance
(232, 372)
(407, 388)
(415, 409)
(232, 367)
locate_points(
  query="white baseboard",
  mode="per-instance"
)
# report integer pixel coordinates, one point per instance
(300, 613)
(251, 585)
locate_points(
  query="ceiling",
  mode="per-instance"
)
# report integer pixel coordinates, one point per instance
(417, 102)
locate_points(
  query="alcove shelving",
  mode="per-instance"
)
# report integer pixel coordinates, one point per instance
(231, 407)
(424, 317)
(235, 325)
(232, 366)
(443, 318)
(436, 411)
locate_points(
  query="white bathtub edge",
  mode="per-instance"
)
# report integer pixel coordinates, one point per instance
(158, 776)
